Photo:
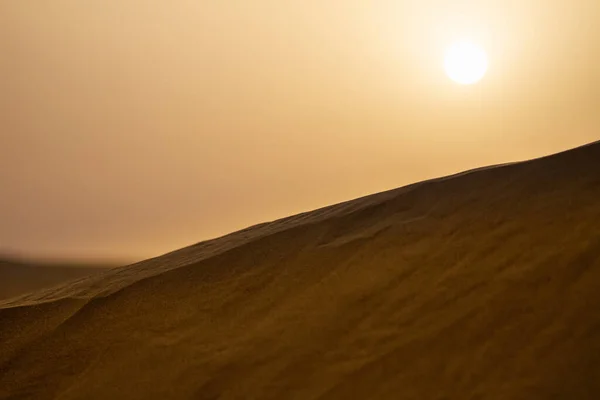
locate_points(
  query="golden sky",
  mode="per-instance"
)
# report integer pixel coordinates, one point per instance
(129, 128)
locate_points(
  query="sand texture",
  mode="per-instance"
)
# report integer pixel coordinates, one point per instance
(482, 285)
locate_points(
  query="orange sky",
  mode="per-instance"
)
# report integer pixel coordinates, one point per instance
(133, 127)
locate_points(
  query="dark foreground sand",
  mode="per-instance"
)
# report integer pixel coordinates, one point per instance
(485, 285)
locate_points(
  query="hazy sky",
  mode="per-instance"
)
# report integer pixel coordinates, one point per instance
(129, 128)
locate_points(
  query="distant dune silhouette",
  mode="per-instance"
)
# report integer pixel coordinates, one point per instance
(482, 285)
(18, 277)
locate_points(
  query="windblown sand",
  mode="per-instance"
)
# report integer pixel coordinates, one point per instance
(483, 285)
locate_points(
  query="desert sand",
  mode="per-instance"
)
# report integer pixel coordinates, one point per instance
(481, 285)
(18, 277)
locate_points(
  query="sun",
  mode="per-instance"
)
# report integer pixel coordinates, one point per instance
(465, 63)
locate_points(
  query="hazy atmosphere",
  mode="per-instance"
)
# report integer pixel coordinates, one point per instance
(132, 128)
(303, 200)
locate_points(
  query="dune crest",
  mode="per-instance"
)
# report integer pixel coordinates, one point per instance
(484, 284)
(18, 277)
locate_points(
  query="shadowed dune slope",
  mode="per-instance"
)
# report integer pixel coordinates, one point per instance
(18, 277)
(482, 285)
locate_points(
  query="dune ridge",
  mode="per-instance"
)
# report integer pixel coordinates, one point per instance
(484, 284)
(18, 276)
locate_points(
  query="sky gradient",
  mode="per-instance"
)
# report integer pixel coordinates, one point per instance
(131, 128)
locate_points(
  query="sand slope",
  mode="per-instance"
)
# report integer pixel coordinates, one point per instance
(17, 277)
(484, 285)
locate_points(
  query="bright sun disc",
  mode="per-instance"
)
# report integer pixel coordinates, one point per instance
(465, 63)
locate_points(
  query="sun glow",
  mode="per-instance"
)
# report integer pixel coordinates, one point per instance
(465, 63)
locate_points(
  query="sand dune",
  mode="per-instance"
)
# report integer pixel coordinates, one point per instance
(482, 285)
(18, 277)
